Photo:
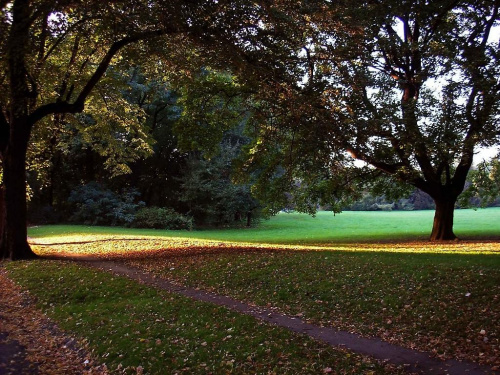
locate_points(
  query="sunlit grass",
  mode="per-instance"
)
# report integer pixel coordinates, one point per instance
(372, 273)
(107, 246)
(325, 228)
(349, 231)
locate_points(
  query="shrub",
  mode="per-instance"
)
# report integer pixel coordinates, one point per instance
(96, 205)
(161, 218)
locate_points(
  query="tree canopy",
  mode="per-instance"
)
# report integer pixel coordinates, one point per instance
(56, 56)
(410, 88)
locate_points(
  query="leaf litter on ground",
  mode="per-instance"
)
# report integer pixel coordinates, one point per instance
(427, 296)
(138, 329)
(48, 349)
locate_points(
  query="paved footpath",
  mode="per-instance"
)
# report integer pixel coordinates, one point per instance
(13, 358)
(414, 361)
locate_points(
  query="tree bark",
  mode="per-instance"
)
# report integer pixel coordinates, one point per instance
(2, 220)
(16, 130)
(442, 229)
(14, 236)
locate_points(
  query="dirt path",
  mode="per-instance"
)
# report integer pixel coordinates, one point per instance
(13, 357)
(30, 343)
(414, 361)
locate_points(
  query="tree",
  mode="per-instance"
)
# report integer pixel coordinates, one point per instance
(411, 88)
(102, 143)
(215, 112)
(210, 193)
(483, 188)
(55, 55)
(157, 176)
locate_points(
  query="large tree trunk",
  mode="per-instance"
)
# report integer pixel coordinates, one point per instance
(13, 237)
(16, 130)
(442, 230)
(2, 219)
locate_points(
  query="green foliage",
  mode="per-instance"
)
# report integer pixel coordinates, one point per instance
(115, 133)
(165, 179)
(416, 200)
(96, 205)
(211, 104)
(371, 203)
(483, 188)
(212, 196)
(59, 59)
(161, 218)
(409, 88)
(291, 163)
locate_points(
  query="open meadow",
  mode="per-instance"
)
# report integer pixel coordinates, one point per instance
(371, 273)
(326, 228)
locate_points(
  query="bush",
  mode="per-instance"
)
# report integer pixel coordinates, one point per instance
(96, 205)
(161, 218)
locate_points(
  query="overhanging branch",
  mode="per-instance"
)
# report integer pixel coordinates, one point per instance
(79, 103)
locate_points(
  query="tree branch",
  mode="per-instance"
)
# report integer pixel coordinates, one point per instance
(388, 168)
(67, 75)
(430, 31)
(43, 37)
(477, 120)
(61, 38)
(79, 103)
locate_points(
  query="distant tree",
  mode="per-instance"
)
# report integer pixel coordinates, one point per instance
(210, 193)
(157, 175)
(214, 107)
(483, 188)
(200, 110)
(95, 205)
(96, 146)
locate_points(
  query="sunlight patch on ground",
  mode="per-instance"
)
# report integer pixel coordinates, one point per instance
(107, 246)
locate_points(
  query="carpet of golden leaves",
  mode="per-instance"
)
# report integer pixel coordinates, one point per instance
(106, 246)
(48, 349)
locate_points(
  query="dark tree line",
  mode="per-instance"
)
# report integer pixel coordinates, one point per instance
(74, 180)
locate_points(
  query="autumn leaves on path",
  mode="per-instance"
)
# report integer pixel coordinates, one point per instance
(30, 343)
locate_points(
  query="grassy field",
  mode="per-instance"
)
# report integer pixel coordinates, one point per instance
(135, 329)
(448, 304)
(367, 272)
(325, 228)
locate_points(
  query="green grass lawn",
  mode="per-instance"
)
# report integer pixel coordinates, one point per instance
(434, 302)
(325, 228)
(130, 326)
(441, 298)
